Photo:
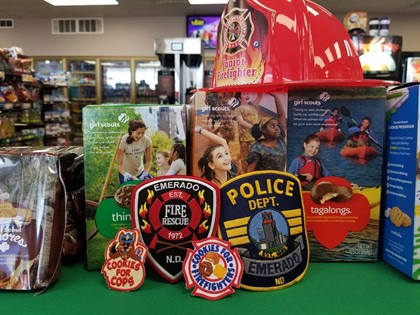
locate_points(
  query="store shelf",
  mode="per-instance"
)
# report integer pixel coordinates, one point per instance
(57, 115)
(20, 112)
(327, 288)
(82, 72)
(38, 124)
(57, 106)
(83, 99)
(14, 140)
(15, 106)
(84, 84)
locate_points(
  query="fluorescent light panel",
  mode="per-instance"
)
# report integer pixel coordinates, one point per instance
(208, 1)
(81, 2)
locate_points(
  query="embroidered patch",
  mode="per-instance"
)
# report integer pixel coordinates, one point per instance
(263, 217)
(171, 212)
(212, 268)
(124, 261)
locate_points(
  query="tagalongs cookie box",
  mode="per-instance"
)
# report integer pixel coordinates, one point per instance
(342, 193)
(400, 241)
(108, 192)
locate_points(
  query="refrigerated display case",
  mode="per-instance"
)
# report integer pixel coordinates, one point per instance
(83, 91)
(146, 77)
(94, 80)
(83, 80)
(57, 115)
(56, 107)
(116, 81)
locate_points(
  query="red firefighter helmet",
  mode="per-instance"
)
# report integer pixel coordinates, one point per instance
(273, 44)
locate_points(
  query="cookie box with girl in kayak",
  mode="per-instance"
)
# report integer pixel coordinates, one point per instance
(334, 146)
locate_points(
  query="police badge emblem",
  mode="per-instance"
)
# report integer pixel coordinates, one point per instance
(262, 215)
(171, 212)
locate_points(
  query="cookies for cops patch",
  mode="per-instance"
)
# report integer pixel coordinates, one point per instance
(212, 268)
(262, 215)
(124, 261)
(171, 212)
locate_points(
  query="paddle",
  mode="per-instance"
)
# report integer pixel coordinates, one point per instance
(346, 113)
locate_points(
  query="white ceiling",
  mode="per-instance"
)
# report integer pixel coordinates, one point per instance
(34, 9)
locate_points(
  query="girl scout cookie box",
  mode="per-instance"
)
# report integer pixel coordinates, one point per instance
(252, 57)
(332, 141)
(225, 145)
(400, 238)
(124, 145)
(334, 146)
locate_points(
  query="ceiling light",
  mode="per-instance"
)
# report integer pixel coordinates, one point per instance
(81, 2)
(208, 1)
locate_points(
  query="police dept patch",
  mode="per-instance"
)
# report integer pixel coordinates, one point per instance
(171, 212)
(262, 215)
(212, 268)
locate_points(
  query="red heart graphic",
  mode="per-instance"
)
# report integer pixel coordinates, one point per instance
(333, 220)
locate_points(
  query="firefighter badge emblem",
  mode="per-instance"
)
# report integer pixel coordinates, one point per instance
(171, 212)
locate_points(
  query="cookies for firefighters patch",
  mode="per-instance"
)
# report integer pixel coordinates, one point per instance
(262, 215)
(212, 268)
(171, 212)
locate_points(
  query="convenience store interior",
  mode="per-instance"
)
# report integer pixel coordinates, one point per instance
(126, 8)
(125, 48)
(131, 60)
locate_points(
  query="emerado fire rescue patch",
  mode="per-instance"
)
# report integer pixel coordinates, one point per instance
(262, 215)
(171, 212)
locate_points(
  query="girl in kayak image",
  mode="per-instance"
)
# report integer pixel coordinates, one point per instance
(360, 135)
(333, 119)
(307, 167)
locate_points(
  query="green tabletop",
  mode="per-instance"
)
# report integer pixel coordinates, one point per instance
(327, 288)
